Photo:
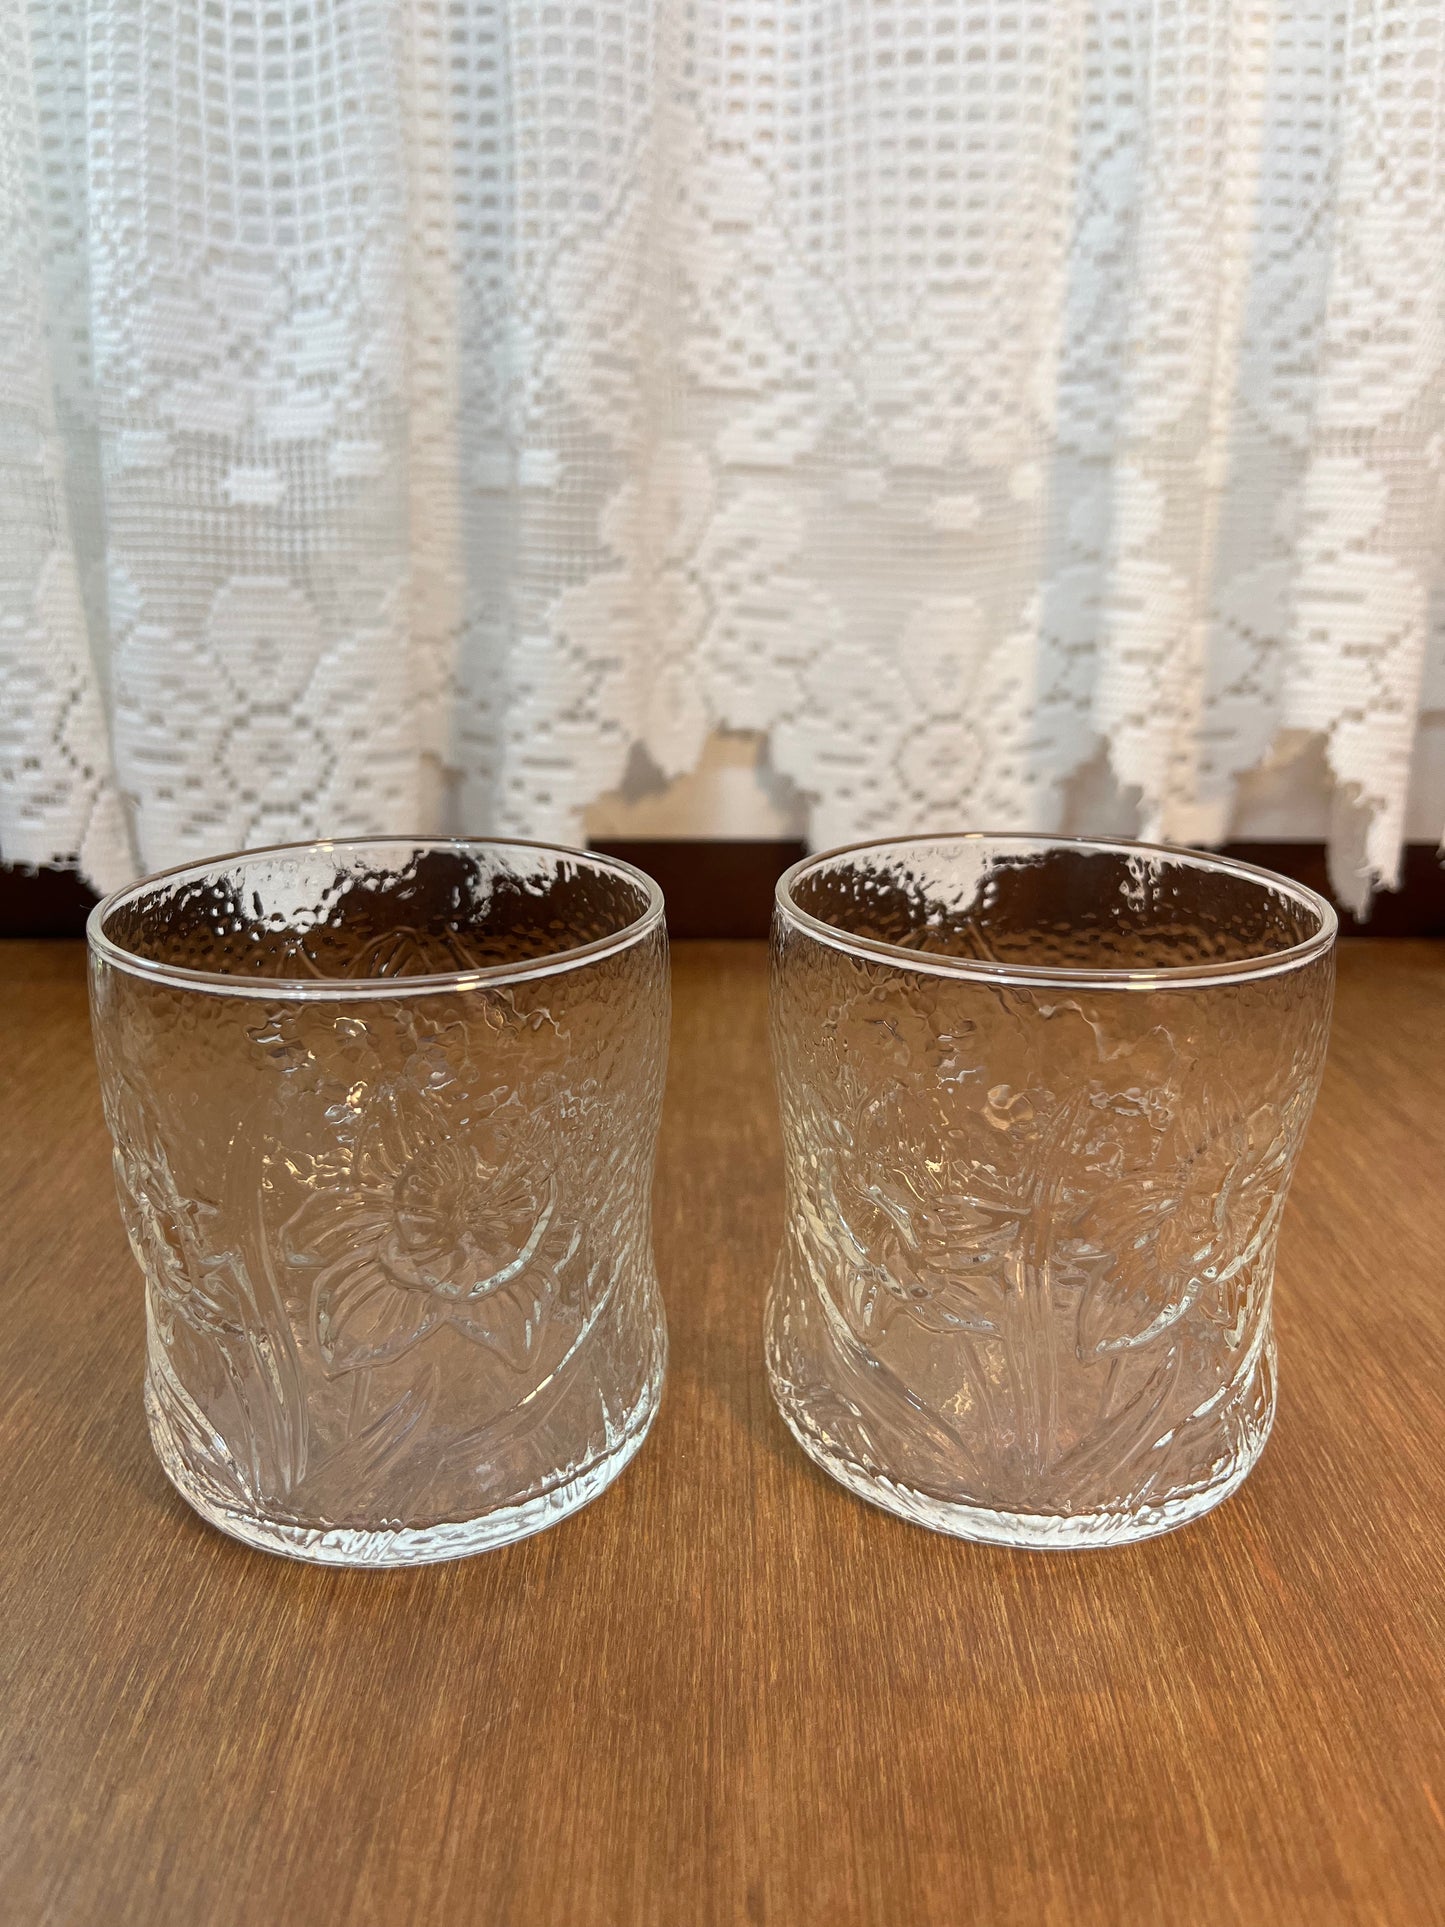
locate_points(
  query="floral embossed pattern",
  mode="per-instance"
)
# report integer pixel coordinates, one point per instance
(412, 1227)
(1025, 1287)
(401, 1301)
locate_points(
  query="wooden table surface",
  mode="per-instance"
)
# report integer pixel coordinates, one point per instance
(728, 1691)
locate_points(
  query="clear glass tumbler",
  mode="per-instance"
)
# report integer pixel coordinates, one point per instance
(1041, 1102)
(384, 1116)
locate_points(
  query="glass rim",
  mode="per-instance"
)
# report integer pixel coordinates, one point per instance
(329, 989)
(1269, 963)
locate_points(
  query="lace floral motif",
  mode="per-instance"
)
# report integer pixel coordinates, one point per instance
(347, 446)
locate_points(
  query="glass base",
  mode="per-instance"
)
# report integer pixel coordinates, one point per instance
(326, 1545)
(1037, 1532)
(823, 1418)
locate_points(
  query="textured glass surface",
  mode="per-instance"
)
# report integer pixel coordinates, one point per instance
(1035, 1178)
(384, 1118)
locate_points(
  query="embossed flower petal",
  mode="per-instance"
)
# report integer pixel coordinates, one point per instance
(956, 1286)
(509, 1321)
(331, 1223)
(420, 1228)
(362, 1318)
(943, 1256)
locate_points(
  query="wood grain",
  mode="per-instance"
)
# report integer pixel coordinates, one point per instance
(728, 1691)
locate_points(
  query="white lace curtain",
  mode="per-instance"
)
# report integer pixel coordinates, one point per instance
(407, 407)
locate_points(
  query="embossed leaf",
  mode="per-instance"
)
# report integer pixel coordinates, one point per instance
(173, 1237)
